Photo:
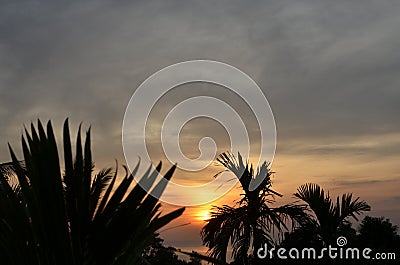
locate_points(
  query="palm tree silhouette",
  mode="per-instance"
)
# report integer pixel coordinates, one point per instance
(76, 217)
(328, 217)
(250, 224)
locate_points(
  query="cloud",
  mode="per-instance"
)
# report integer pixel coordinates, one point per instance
(323, 75)
(367, 146)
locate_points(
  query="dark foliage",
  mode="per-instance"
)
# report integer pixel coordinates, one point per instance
(250, 224)
(77, 217)
(158, 254)
(327, 215)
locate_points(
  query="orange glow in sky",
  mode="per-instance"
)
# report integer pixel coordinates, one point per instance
(203, 215)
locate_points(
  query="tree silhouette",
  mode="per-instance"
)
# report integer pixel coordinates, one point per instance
(77, 217)
(379, 234)
(157, 253)
(250, 224)
(328, 217)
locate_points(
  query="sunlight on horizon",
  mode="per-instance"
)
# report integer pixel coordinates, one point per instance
(203, 215)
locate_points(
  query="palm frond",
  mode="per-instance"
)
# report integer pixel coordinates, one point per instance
(351, 208)
(252, 223)
(226, 225)
(329, 215)
(75, 218)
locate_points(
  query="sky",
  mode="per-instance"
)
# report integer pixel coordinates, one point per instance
(330, 72)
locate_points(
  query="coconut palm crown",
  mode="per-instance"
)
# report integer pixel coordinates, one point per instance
(252, 222)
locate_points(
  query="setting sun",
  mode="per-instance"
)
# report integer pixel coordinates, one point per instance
(203, 215)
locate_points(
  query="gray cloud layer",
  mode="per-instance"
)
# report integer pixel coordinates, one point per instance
(326, 68)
